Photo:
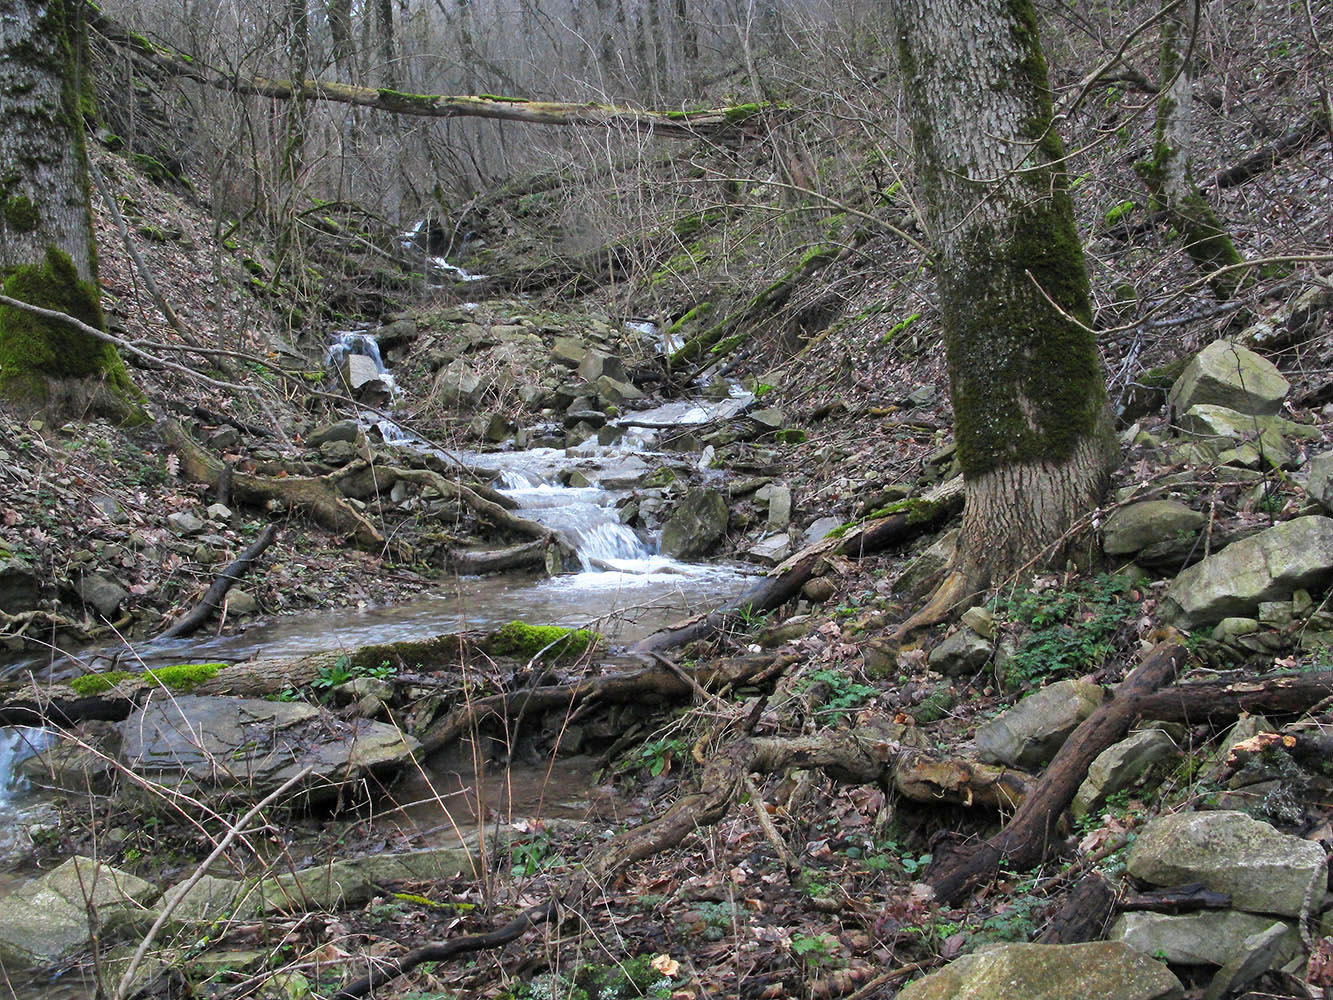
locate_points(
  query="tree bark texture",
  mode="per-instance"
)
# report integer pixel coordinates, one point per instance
(43, 168)
(1033, 428)
(47, 253)
(1168, 175)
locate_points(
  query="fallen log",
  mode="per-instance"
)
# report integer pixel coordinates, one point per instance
(194, 620)
(725, 122)
(1206, 700)
(895, 525)
(1025, 840)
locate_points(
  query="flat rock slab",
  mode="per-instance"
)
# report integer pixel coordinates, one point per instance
(1212, 937)
(1138, 525)
(1105, 970)
(224, 747)
(320, 888)
(1260, 868)
(1268, 566)
(52, 917)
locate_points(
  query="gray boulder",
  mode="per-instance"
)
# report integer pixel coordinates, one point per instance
(1319, 479)
(1263, 870)
(1266, 566)
(1138, 525)
(770, 550)
(779, 507)
(101, 593)
(20, 587)
(364, 380)
(341, 430)
(53, 917)
(246, 747)
(595, 364)
(1270, 436)
(1266, 949)
(696, 525)
(1119, 766)
(458, 385)
(1105, 970)
(1029, 734)
(615, 391)
(961, 654)
(1209, 937)
(1229, 375)
(186, 523)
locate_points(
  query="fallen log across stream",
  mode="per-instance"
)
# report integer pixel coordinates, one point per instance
(898, 524)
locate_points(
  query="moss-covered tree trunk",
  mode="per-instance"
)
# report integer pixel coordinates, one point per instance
(1168, 176)
(47, 252)
(1029, 396)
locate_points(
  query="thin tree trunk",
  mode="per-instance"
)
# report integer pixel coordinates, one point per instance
(1168, 174)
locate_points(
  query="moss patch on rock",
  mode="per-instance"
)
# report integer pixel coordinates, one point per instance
(34, 349)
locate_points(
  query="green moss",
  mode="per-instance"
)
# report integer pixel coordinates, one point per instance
(183, 676)
(253, 266)
(1119, 213)
(153, 168)
(91, 684)
(504, 100)
(727, 345)
(743, 112)
(551, 642)
(397, 100)
(179, 677)
(33, 349)
(897, 328)
(414, 653)
(790, 435)
(21, 215)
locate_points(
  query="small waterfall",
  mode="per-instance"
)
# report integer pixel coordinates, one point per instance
(17, 744)
(585, 519)
(362, 342)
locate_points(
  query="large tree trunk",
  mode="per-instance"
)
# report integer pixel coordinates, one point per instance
(1033, 429)
(47, 253)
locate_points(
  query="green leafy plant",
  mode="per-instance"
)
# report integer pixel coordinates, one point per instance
(334, 675)
(843, 694)
(1065, 632)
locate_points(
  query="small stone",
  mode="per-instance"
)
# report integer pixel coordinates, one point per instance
(337, 452)
(818, 589)
(102, 593)
(185, 523)
(219, 512)
(964, 652)
(224, 438)
(241, 602)
(980, 620)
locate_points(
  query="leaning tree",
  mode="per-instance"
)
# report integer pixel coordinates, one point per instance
(48, 255)
(1032, 424)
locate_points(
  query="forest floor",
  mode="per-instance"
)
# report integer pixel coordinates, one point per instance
(721, 914)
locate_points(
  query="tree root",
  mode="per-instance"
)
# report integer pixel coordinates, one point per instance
(1026, 839)
(317, 495)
